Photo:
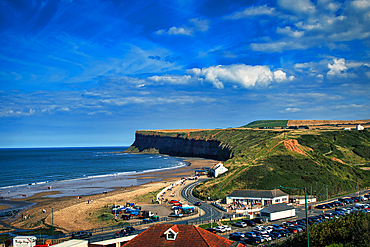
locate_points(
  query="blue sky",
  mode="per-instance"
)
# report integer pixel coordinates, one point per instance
(91, 73)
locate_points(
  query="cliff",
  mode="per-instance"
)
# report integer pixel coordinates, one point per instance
(179, 145)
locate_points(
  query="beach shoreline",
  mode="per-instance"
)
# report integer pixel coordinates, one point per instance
(80, 207)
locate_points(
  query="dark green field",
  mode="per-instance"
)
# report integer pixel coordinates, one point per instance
(267, 124)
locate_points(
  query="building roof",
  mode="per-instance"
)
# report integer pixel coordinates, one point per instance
(277, 208)
(187, 236)
(72, 243)
(257, 193)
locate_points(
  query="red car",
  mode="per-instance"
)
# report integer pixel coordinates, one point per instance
(174, 201)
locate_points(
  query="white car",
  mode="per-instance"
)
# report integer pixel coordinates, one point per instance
(220, 229)
(227, 228)
(258, 228)
(267, 237)
(240, 224)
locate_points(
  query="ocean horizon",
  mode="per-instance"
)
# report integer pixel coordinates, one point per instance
(88, 170)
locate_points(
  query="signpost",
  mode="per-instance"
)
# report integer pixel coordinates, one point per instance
(305, 198)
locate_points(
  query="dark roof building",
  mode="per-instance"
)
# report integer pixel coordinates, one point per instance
(257, 197)
(179, 236)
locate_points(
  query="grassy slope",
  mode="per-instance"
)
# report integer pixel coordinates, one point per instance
(259, 163)
(267, 123)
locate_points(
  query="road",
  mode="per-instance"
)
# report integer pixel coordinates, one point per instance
(210, 212)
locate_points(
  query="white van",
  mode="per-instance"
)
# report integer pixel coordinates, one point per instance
(24, 241)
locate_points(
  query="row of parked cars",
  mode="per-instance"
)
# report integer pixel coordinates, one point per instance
(343, 201)
(260, 234)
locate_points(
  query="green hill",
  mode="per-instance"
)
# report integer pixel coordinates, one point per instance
(267, 124)
(266, 159)
(320, 159)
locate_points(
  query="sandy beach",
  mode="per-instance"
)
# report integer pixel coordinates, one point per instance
(73, 213)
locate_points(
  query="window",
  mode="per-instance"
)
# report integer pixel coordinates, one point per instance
(263, 214)
(171, 236)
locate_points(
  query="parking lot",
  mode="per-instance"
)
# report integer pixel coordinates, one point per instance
(253, 233)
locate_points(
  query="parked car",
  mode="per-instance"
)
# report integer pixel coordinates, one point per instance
(237, 233)
(320, 206)
(174, 201)
(122, 233)
(147, 221)
(254, 241)
(250, 234)
(81, 234)
(213, 230)
(197, 204)
(220, 229)
(236, 237)
(267, 237)
(249, 222)
(130, 229)
(258, 220)
(175, 215)
(240, 224)
(126, 217)
(227, 228)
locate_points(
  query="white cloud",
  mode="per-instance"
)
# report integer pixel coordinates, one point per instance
(288, 31)
(280, 76)
(338, 68)
(175, 31)
(252, 11)
(297, 6)
(200, 25)
(347, 106)
(278, 46)
(293, 109)
(361, 4)
(180, 30)
(305, 24)
(171, 79)
(240, 74)
(196, 25)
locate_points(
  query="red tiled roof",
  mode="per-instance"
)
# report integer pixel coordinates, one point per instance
(175, 228)
(187, 236)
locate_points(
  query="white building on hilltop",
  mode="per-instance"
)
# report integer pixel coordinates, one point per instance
(360, 127)
(217, 170)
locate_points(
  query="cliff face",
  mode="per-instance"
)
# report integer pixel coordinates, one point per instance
(179, 146)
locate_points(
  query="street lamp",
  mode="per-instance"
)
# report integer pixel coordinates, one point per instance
(305, 198)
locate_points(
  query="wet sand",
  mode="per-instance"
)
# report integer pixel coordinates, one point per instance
(72, 208)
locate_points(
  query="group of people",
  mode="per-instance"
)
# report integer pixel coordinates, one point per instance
(237, 206)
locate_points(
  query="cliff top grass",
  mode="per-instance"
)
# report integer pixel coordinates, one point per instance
(267, 124)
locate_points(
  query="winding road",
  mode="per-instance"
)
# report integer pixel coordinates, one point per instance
(210, 212)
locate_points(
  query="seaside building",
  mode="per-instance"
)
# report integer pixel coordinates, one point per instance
(360, 127)
(301, 199)
(217, 170)
(277, 212)
(179, 235)
(257, 197)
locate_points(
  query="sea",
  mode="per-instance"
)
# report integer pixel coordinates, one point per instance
(76, 171)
